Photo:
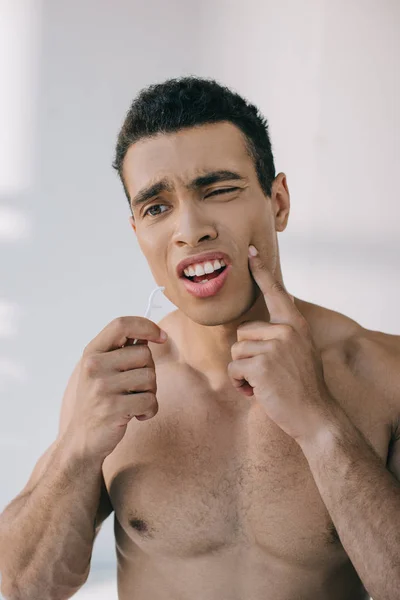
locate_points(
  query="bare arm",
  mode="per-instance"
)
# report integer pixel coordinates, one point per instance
(47, 532)
(363, 500)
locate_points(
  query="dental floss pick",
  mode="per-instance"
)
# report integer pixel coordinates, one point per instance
(150, 306)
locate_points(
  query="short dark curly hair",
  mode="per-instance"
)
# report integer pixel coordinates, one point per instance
(189, 102)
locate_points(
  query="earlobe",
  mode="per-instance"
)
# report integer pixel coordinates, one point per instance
(282, 221)
(282, 202)
(281, 218)
(132, 222)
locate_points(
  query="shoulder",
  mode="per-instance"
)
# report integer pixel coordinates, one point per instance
(370, 352)
(373, 358)
(375, 355)
(370, 357)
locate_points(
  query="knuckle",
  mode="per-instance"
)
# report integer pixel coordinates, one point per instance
(146, 353)
(91, 365)
(275, 345)
(151, 399)
(153, 408)
(119, 323)
(287, 333)
(101, 386)
(86, 350)
(149, 403)
(260, 362)
(102, 412)
(231, 368)
(151, 378)
(235, 350)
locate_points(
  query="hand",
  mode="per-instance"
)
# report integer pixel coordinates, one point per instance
(278, 362)
(116, 382)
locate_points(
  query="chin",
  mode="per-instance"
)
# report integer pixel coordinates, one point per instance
(221, 313)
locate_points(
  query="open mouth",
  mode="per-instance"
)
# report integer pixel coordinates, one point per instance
(208, 284)
(206, 277)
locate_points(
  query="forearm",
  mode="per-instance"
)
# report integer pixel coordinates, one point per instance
(46, 537)
(363, 500)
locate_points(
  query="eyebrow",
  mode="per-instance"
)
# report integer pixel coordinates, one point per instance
(164, 186)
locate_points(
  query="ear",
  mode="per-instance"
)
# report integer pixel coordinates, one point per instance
(132, 222)
(281, 201)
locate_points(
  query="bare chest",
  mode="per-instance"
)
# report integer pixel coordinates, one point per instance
(202, 477)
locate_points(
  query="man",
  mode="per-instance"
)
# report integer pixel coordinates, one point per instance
(263, 462)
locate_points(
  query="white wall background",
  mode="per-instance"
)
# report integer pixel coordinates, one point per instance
(326, 75)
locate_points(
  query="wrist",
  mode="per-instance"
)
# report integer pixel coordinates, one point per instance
(329, 428)
(75, 451)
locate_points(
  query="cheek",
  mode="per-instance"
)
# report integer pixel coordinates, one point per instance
(152, 240)
(264, 238)
(154, 251)
(255, 215)
(262, 230)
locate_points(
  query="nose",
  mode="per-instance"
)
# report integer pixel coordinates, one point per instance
(193, 226)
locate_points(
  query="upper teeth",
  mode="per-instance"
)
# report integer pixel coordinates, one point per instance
(203, 268)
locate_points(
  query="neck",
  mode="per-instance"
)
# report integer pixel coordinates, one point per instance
(207, 349)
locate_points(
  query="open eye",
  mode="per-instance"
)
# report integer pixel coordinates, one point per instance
(223, 191)
(151, 208)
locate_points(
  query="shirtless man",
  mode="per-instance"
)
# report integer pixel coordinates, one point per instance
(264, 457)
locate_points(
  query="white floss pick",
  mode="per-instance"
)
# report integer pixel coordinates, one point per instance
(150, 305)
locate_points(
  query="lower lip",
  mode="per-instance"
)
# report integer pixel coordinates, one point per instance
(205, 290)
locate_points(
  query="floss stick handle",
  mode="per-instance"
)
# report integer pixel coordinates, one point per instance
(150, 306)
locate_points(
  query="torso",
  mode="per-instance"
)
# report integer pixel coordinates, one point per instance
(213, 500)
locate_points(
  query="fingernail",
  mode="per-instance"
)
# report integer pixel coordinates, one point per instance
(163, 335)
(253, 251)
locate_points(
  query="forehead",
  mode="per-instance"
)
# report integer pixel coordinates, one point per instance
(183, 155)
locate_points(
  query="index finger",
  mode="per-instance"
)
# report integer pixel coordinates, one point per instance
(120, 330)
(280, 305)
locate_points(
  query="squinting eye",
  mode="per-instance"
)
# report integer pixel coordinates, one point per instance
(151, 208)
(223, 191)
